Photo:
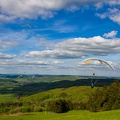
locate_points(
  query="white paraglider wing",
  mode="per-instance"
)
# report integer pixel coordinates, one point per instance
(86, 61)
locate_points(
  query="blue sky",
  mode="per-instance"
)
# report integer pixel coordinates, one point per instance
(53, 37)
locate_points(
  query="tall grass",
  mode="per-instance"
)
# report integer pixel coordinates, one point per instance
(72, 115)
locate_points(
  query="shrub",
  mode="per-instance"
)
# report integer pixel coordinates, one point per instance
(15, 110)
(38, 109)
(26, 109)
(58, 106)
(4, 110)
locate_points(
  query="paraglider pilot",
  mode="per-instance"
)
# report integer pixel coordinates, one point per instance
(92, 84)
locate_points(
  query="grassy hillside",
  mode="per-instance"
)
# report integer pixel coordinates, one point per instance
(27, 94)
(75, 94)
(71, 115)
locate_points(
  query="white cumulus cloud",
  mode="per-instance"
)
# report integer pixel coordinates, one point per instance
(6, 44)
(111, 13)
(79, 47)
(110, 34)
(12, 9)
(6, 56)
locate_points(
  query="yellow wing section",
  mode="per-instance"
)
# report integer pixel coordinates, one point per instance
(87, 61)
(100, 60)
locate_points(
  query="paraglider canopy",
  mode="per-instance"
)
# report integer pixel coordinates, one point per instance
(28, 25)
(87, 61)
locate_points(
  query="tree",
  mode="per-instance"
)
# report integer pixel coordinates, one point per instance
(107, 98)
(59, 106)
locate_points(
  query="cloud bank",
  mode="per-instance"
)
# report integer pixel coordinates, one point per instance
(79, 47)
(32, 9)
(67, 49)
(60, 55)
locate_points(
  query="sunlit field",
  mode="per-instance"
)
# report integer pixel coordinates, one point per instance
(7, 97)
(72, 115)
(35, 95)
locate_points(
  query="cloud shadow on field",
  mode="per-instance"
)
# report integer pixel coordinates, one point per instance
(29, 88)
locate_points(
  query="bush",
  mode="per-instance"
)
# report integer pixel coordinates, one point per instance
(38, 109)
(4, 110)
(59, 106)
(26, 109)
(15, 110)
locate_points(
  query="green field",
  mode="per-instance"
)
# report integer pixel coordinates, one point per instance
(18, 96)
(7, 97)
(72, 115)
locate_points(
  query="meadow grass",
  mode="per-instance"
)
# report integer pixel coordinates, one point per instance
(71, 115)
(7, 97)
